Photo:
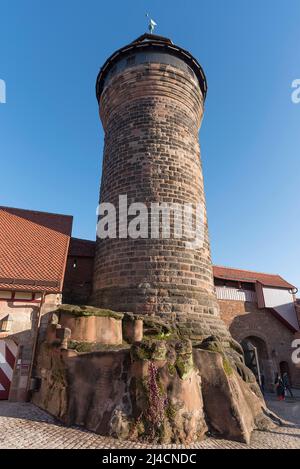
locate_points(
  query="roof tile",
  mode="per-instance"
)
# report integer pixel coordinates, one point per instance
(33, 249)
(270, 280)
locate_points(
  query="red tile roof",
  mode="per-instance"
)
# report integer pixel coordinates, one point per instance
(33, 249)
(270, 280)
(82, 248)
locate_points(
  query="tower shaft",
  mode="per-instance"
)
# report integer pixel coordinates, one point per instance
(151, 106)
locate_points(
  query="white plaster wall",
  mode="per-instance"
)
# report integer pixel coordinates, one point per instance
(281, 300)
(21, 314)
(237, 294)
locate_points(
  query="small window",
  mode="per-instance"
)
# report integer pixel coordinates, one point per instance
(232, 284)
(74, 263)
(23, 296)
(248, 286)
(219, 282)
(130, 60)
(5, 295)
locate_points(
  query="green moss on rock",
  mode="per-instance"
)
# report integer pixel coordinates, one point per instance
(184, 365)
(86, 347)
(171, 412)
(227, 366)
(154, 326)
(171, 369)
(86, 311)
(58, 375)
(149, 350)
(212, 344)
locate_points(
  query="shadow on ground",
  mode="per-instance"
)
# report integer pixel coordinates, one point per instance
(288, 410)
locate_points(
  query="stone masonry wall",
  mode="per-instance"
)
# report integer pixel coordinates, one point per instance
(151, 115)
(78, 281)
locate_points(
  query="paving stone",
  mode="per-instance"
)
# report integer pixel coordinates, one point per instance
(22, 425)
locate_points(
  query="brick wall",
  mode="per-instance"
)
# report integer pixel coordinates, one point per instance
(244, 319)
(78, 280)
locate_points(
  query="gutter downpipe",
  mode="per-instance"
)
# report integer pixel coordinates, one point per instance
(36, 336)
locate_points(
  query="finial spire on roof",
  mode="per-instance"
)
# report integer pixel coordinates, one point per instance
(152, 24)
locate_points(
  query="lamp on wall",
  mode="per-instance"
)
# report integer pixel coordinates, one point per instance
(6, 323)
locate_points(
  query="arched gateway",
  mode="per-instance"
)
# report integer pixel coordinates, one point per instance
(259, 360)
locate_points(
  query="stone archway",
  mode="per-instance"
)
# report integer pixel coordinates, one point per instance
(261, 363)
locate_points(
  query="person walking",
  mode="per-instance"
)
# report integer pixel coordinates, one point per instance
(280, 390)
(286, 383)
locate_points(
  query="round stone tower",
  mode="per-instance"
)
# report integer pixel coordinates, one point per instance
(151, 97)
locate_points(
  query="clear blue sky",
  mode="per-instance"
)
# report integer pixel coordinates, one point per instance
(51, 137)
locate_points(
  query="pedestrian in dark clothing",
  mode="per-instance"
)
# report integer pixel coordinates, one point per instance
(286, 383)
(280, 391)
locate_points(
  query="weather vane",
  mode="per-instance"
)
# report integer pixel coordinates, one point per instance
(151, 25)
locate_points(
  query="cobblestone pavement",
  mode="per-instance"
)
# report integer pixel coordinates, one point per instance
(26, 426)
(288, 410)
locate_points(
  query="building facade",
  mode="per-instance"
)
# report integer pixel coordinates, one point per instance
(33, 253)
(260, 312)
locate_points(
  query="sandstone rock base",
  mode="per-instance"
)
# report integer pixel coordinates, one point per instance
(163, 391)
(91, 324)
